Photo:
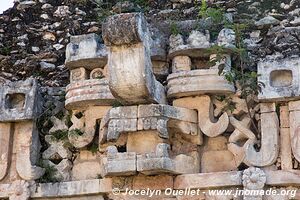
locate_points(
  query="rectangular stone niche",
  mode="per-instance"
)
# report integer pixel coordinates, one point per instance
(280, 79)
(19, 101)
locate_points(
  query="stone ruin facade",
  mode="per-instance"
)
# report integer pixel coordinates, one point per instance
(150, 134)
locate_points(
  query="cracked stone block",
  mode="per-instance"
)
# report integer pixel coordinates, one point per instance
(157, 162)
(281, 79)
(20, 101)
(131, 78)
(86, 51)
(119, 164)
(93, 92)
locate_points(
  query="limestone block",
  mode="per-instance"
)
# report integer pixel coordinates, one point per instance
(86, 166)
(217, 161)
(143, 141)
(181, 63)
(157, 162)
(284, 117)
(82, 94)
(78, 74)
(187, 164)
(118, 120)
(86, 51)
(19, 101)
(131, 77)
(148, 117)
(197, 82)
(160, 182)
(285, 149)
(91, 115)
(58, 125)
(269, 142)
(207, 123)
(208, 180)
(281, 79)
(161, 117)
(119, 164)
(294, 108)
(6, 142)
(28, 148)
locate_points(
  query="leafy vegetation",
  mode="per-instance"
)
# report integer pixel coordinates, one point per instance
(49, 175)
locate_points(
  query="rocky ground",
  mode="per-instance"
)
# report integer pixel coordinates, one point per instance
(34, 33)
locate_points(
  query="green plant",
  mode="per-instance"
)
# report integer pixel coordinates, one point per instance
(76, 132)
(93, 148)
(116, 104)
(49, 175)
(174, 29)
(229, 104)
(60, 135)
(5, 50)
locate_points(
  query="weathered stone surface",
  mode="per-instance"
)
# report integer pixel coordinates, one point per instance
(157, 162)
(78, 74)
(86, 51)
(19, 101)
(28, 148)
(181, 63)
(159, 182)
(119, 164)
(280, 78)
(131, 77)
(82, 94)
(86, 166)
(147, 117)
(294, 108)
(253, 179)
(6, 141)
(197, 82)
(285, 149)
(207, 123)
(284, 117)
(91, 115)
(208, 180)
(269, 142)
(226, 38)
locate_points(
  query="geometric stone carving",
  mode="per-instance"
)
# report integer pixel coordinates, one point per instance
(269, 139)
(181, 63)
(207, 123)
(118, 164)
(86, 125)
(281, 79)
(19, 101)
(58, 156)
(131, 78)
(82, 94)
(85, 51)
(197, 82)
(147, 117)
(253, 179)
